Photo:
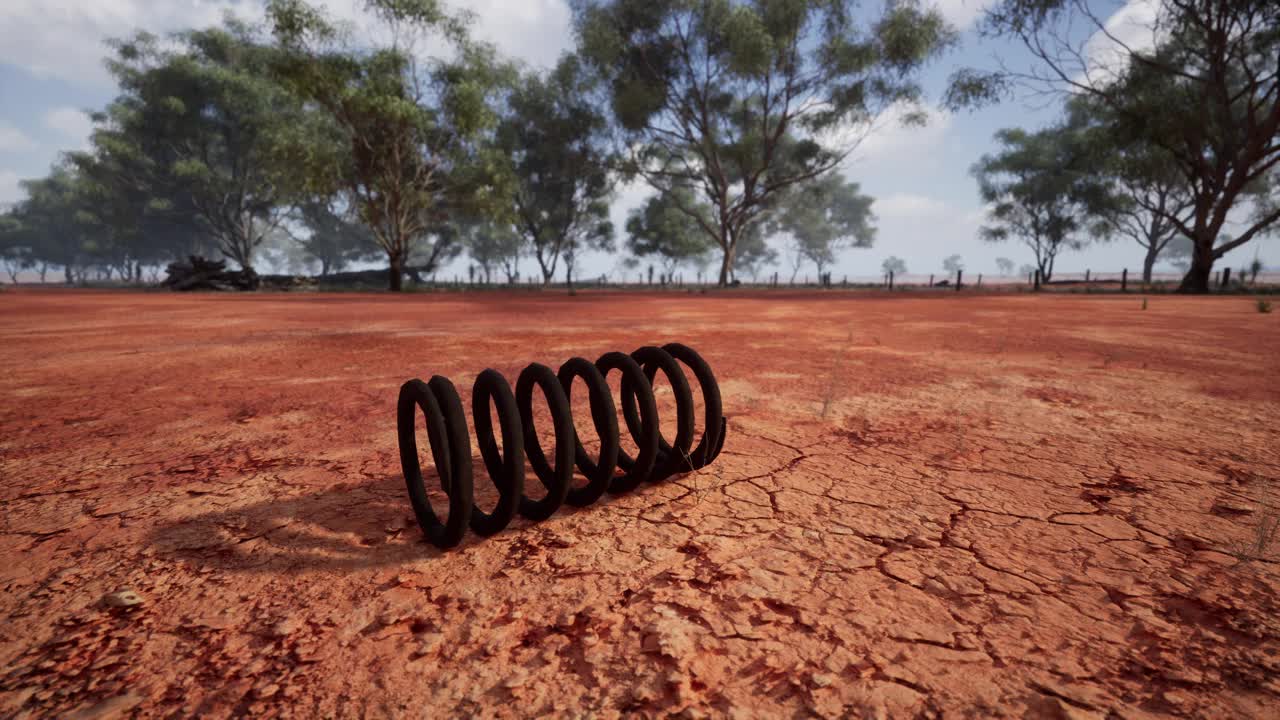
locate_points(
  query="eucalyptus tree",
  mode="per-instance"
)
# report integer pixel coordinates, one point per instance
(131, 194)
(894, 264)
(50, 222)
(742, 100)
(413, 133)
(333, 237)
(659, 228)
(556, 138)
(1004, 265)
(1204, 90)
(824, 217)
(1042, 190)
(204, 117)
(15, 254)
(753, 254)
(495, 246)
(1144, 188)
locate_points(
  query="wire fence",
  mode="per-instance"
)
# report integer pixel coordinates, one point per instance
(1088, 280)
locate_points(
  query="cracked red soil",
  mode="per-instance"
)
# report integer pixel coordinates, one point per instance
(1015, 506)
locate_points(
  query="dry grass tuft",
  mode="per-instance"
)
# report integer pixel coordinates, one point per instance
(833, 385)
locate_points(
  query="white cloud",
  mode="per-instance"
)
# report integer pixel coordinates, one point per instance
(9, 190)
(14, 140)
(888, 137)
(74, 124)
(1129, 29)
(65, 39)
(535, 31)
(962, 13)
(908, 205)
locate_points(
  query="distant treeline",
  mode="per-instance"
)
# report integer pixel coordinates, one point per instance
(327, 149)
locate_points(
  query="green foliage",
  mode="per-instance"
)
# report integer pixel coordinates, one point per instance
(1206, 99)
(50, 224)
(752, 253)
(413, 137)
(495, 245)
(15, 254)
(201, 125)
(554, 137)
(824, 217)
(739, 101)
(1145, 196)
(660, 228)
(333, 239)
(953, 264)
(1041, 188)
(895, 265)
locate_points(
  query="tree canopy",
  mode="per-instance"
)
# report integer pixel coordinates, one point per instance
(1041, 190)
(1205, 95)
(824, 217)
(661, 228)
(739, 101)
(555, 137)
(410, 131)
(202, 125)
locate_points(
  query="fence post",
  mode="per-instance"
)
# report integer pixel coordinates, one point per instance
(1217, 278)
(979, 279)
(958, 274)
(890, 279)
(1124, 280)
(1037, 285)
(1226, 276)
(1086, 276)
(931, 280)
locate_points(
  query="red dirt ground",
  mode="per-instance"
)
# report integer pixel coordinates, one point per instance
(1014, 506)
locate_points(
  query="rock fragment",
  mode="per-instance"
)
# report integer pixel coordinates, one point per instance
(122, 599)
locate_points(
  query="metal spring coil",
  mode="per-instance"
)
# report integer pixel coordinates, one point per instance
(655, 460)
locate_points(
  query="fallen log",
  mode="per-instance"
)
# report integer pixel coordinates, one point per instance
(200, 273)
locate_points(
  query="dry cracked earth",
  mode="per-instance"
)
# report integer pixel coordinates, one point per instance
(989, 506)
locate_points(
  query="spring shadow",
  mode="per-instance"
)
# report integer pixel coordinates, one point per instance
(342, 527)
(345, 526)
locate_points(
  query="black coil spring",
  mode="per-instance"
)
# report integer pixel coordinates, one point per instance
(655, 459)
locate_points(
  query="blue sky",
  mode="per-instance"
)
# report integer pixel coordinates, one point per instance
(926, 201)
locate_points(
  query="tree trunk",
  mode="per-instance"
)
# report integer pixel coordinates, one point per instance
(395, 274)
(726, 265)
(1197, 278)
(1153, 251)
(67, 275)
(44, 268)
